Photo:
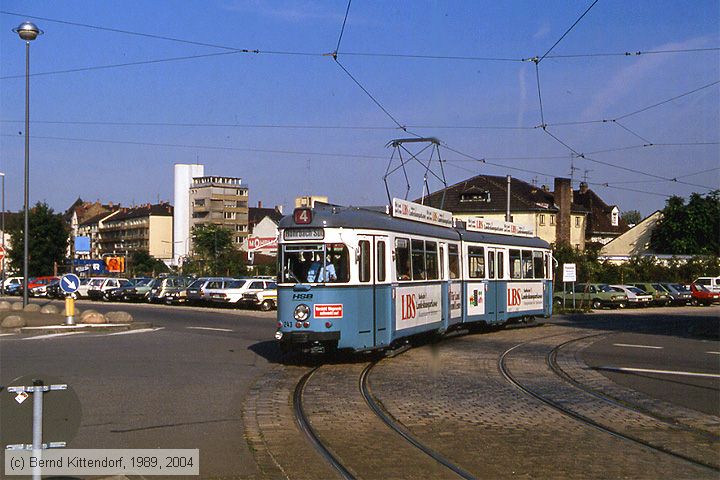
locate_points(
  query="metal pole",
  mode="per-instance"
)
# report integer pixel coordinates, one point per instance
(27, 173)
(2, 262)
(507, 211)
(37, 424)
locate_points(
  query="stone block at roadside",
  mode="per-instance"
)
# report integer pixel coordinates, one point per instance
(49, 309)
(13, 321)
(118, 317)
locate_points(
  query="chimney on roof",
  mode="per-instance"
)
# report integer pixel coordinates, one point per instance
(545, 188)
(563, 200)
(259, 203)
(279, 208)
(110, 204)
(583, 187)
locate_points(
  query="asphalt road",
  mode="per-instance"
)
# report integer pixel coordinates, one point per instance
(181, 386)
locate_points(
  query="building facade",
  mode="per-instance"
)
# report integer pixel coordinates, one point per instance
(143, 228)
(221, 201)
(554, 215)
(184, 174)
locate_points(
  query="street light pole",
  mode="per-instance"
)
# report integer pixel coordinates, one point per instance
(2, 214)
(28, 32)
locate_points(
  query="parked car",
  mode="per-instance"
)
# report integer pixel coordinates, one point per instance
(140, 290)
(85, 283)
(120, 293)
(265, 300)
(636, 297)
(38, 287)
(54, 290)
(12, 284)
(711, 283)
(194, 293)
(233, 292)
(99, 290)
(660, 295)
(679, 294)
(167, 289)
(701, 295)
(597, 295)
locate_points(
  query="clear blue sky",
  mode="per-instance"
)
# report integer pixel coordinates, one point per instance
(119, 163)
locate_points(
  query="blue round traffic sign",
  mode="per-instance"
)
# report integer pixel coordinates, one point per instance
(69, 283)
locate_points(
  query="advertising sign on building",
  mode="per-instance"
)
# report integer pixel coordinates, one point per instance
(82, 245)
(115, 264)
(523, 297)
(421, 213)
(417, 306)
(489, 225)
(262, 244)
(90, 266)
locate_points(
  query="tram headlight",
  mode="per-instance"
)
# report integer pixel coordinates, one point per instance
(302, 312)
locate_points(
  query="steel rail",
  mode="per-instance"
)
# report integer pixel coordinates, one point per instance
(309, 432)
(401, 430)
(551, 360)
(502, 367)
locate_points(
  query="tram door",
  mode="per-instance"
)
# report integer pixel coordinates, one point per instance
(492, 298)
(374, 302)
(382, 291)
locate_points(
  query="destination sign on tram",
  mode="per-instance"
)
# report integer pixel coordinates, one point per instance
(304, 234)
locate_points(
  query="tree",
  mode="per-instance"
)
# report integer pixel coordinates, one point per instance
(632, 217)
(692, 229)
(142, 263)
(214, 252)
(47, 240)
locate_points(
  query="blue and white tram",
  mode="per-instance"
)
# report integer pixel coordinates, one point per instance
(362, 279)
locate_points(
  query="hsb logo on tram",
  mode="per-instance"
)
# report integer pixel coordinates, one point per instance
(408, 307)
(514, 298)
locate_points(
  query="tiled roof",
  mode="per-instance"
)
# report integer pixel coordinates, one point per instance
(599, 219)
(256, 214)
(523, 196)
(157, 210)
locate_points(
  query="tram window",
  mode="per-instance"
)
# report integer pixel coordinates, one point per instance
(538, 265)
(454, 261)
(298, 259)
(476, 262)
(491, 265)
(527, 267)
(515, 264)
(500, 265)
(431, 261)
(547, 266)
(364, 261)
(380, 261)
(442, 263)
(402, 258)
(418, 260)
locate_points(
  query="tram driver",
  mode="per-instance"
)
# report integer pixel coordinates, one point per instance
(319, 273)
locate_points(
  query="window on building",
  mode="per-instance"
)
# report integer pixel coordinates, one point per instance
(541, 219)
(577, 222)
(475, 197)
(552, 219)
(476, 262)
(615, 217)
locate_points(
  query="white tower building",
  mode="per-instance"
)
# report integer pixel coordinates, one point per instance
(184, 174)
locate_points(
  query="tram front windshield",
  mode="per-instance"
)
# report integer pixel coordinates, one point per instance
(315, 263)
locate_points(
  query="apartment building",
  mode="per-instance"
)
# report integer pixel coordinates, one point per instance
(221, 201)
(143, 228)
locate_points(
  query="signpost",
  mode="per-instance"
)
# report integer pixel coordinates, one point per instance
(569, 275)
(2, 267)
(69, 284)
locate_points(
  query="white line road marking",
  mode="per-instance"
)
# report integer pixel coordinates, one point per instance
(6, 334)
(214, 329)
(51, 335)
(139, 330)
(713, 353)
(664, 372)
(636, 346)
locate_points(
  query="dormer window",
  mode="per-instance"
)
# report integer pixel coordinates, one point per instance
(475, 196)
(615, 217)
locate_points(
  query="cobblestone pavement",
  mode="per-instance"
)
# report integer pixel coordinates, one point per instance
(454, 399)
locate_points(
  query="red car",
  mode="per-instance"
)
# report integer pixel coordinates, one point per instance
(702, 296)
(38, 286)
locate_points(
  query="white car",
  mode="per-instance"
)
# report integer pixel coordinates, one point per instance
(86, 284)
(635, 296)
(98, 286)
(711, 283)
(232, 292)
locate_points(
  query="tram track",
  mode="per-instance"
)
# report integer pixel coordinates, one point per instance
(584, 419)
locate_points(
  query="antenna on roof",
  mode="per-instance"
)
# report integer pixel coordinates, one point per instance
(573, 169)
(399, 149)
(585, 174)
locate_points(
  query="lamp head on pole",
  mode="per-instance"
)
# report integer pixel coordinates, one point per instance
(28, 31)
